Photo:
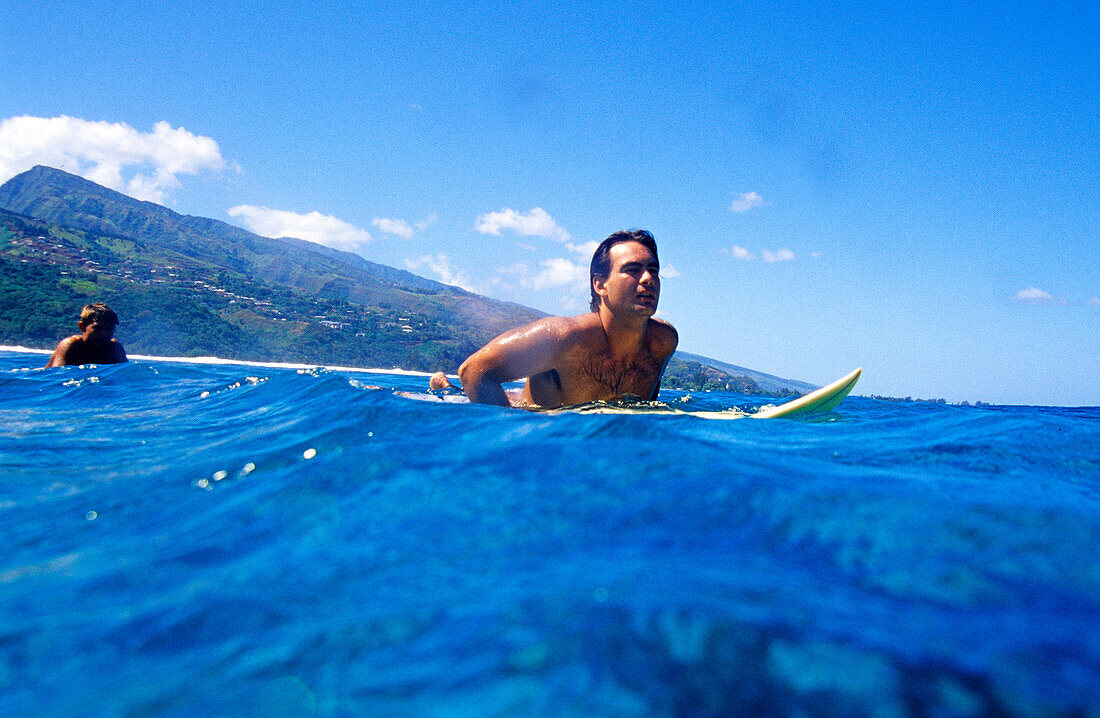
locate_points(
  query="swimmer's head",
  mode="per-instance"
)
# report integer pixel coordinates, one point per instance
(98, 313)
(601, 258)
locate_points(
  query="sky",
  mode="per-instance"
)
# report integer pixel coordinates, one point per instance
(912, 190)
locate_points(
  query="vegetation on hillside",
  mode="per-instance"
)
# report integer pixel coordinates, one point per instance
(694, 376)
(47, 273)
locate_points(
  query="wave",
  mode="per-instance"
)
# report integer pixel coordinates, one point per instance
(243, 532)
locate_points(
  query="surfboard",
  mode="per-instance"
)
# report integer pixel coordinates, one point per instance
(820, 401)
(427, 396)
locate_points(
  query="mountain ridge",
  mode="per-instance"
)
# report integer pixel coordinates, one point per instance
(767, 382)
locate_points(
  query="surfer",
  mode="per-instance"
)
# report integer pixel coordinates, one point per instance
(616, 350)
(95, 344)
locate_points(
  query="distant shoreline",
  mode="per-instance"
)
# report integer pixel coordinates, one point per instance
(241, 362)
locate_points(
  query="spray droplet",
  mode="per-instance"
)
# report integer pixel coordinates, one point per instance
(309, 453)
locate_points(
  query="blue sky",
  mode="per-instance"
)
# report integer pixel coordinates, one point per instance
(911, 190)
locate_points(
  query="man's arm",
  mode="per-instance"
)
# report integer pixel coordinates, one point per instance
(667, 341)
(118, 351)
(513, 355)
(63, 353)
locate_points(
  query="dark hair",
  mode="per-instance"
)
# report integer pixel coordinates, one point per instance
(601, 258)
(98, 312)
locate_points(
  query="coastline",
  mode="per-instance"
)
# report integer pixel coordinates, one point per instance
(241, 362)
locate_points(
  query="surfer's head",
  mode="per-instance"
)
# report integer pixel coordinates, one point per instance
(98, 313)
(601, 259)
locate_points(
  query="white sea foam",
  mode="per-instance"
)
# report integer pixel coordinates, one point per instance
(241, 362)
(25, 350)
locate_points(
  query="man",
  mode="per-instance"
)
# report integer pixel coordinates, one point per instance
(617, 350)
(95, 344)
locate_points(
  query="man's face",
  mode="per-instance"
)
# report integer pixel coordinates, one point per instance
(633, 285)
(96, 331)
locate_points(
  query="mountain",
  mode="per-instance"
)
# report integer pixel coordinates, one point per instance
(191, 286)
(281, 299)
(767, 383)
(68, 200)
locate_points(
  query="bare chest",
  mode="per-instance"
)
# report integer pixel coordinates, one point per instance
(599, 376)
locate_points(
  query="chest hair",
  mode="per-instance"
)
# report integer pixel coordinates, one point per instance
(627, 376)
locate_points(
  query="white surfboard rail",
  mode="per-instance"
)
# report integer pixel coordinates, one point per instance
(816, 402)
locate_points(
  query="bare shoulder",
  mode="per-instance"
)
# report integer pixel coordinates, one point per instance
(559, 329)
(62, 355)
(581, 324)
(663, 336)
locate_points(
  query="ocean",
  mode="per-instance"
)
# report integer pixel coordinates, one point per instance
(184, 538)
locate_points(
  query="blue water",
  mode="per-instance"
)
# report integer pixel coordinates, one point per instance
(183, 539)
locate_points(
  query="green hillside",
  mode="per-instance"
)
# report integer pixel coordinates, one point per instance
(173, 304)
(194, 286)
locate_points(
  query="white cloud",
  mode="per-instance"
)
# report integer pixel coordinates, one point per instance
(570, 304)
(313, 227)
(403, 228)
(1034, 295)
(557, 272)
(747, 201)
(393, 226)
(535, 223)
(585, 250)
(519, 269)
(669, 272)
(427, 221)
(780, 255)
(440, 265)
(144, 165)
